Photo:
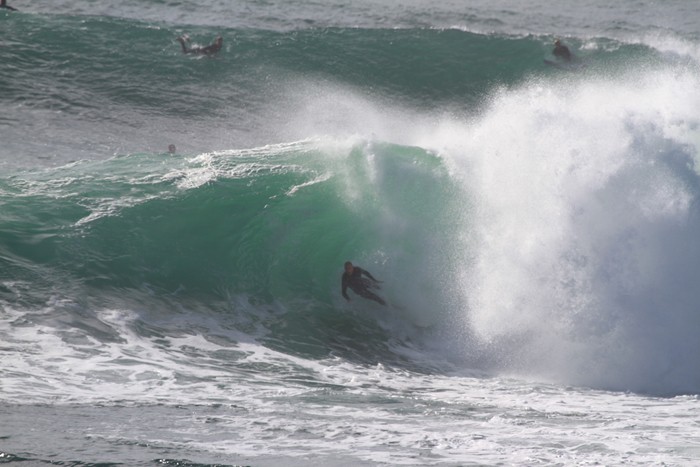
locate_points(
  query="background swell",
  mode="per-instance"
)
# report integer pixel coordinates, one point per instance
(112, 84)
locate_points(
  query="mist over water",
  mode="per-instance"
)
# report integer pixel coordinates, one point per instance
(584, 228)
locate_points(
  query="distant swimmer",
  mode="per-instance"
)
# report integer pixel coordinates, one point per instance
(3, 4)
(352, 277)
(172, 149)
(210, 49)
(561, 51)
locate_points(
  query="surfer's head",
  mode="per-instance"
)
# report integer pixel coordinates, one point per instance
(349, 267)
(557, 42)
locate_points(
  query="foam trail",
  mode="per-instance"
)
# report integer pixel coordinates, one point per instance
(586, 225)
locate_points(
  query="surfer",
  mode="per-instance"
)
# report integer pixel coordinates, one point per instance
(210, 49)
(561, 51)
(352, 277)
(3, 4)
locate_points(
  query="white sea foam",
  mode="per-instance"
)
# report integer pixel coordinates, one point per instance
(175, 396)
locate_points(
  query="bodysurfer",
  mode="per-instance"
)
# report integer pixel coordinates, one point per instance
(561, 51)
(352, 277)
(210, 49)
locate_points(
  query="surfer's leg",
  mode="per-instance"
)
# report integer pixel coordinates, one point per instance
(371, 296)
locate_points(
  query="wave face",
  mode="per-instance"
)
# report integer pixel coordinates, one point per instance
(526, 220)
(248, 233)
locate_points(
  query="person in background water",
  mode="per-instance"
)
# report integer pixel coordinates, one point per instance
(210, 49)
(171, 149)
(3, 4)
(561, 51)
(352, 277)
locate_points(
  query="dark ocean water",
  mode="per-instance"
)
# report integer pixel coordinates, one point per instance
(84, 86)
(535, 228)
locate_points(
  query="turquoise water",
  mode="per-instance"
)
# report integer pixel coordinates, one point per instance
(534, 228)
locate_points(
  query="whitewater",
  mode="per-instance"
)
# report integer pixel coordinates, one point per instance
(534, 228)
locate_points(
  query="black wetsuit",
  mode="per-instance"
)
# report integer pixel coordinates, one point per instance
(563, 52)
(360, 285)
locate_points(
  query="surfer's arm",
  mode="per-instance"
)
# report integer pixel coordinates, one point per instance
(366, 273)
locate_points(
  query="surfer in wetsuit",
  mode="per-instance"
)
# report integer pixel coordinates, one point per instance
(3, 4)
(352, 277)
(210, 49)
(561, 51)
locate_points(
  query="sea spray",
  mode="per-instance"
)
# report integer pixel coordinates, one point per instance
(586, 222)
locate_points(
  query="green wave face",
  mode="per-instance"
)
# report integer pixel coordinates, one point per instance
(272, 225)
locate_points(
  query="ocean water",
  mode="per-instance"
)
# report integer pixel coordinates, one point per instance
(535, 228)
